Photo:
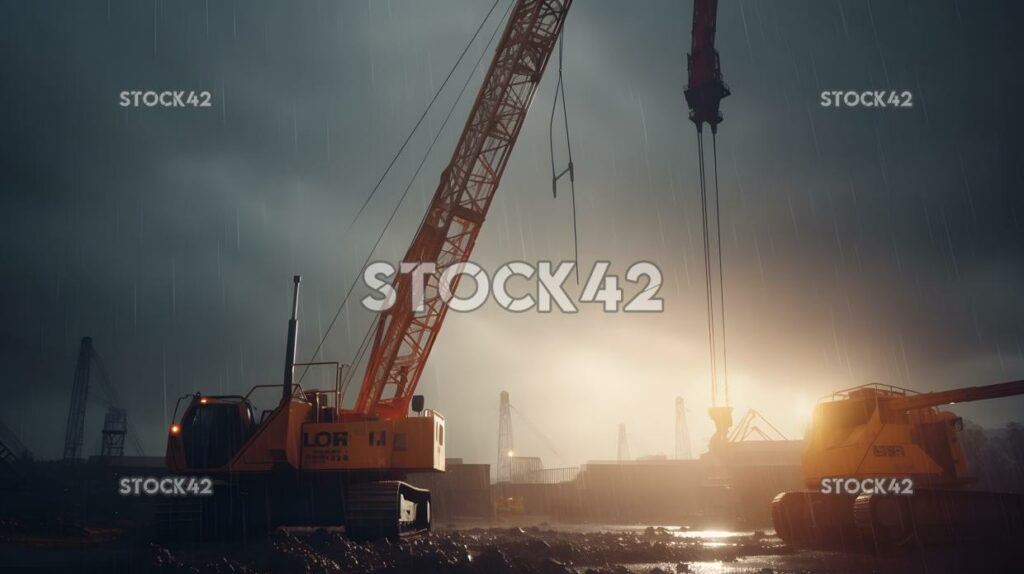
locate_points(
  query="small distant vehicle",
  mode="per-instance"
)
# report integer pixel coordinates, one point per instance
(509, 506)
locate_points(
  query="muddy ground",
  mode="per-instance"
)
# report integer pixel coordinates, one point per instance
(533, 550)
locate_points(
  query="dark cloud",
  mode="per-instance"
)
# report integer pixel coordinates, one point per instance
(860, 245)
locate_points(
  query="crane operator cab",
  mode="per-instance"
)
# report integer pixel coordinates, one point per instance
(338, 466)
(213, 429)
(342, 472)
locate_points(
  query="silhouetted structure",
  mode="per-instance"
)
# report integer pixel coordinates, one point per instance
(506, 448)
(115, 427)
(79, 393)
(682, 432)
(623, 444)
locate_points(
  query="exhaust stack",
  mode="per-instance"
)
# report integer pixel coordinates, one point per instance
(289, 353)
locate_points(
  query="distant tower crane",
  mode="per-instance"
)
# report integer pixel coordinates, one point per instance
(115, 427)
(623, 444)
(12, 456)
(506, 446)
(682, 431)
(75, 430)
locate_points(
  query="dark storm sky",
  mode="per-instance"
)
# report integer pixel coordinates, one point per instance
(859, 245)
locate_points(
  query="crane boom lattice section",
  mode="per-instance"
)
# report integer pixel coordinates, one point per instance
(404, 338)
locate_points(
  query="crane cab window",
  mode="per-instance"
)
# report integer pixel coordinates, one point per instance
(213, 433)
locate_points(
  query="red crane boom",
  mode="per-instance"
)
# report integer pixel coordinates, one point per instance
(705, 88)
(404, 338)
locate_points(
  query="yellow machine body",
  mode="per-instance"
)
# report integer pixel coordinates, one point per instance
(862, 435)
(886, 432)
(411, 444)
(292, 437)
(509, 505)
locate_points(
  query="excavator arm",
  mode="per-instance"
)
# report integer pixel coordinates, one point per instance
(403, 337)
(962, 395)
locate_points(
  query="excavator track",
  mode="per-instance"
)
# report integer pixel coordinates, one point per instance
(939, 517)
(222, 516)
(389, 509)
(808, 519)
(872, 523)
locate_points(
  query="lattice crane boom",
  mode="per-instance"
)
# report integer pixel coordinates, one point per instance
(446, 237)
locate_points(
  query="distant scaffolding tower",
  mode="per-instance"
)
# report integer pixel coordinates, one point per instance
(623, 444)
(506, 449)
(115, 426)
(79, 392)
(682, 432)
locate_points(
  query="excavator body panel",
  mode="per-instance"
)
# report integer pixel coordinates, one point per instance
(220, 436)
(337, 469)
(408, 444)
(861, 437)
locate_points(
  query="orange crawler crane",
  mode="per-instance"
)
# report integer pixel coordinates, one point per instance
(885, 432)
(311, 462)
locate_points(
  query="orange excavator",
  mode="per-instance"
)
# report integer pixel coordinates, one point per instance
(893, 434)
(310, 461)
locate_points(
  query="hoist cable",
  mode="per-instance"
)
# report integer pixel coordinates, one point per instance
(570, 170)
(423, 116)
(721, 269)
(363, 345)
(708, 289)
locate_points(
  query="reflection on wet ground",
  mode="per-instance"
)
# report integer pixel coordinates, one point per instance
(544, 549)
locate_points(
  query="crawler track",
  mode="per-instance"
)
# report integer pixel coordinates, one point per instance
(872, 523)
(389, 509)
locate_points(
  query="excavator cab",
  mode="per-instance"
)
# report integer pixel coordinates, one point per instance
(213, 429)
